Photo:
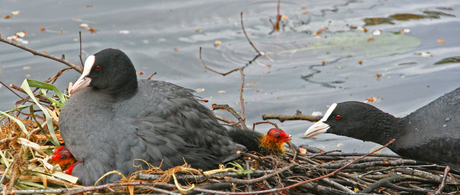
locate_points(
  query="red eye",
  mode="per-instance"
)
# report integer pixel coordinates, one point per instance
(338, 117)
(98, 67)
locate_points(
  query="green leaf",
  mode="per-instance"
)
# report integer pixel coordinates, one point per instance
(43, 93)
(32, 113)
(49, 119)
(43, 85)
(241, 171)
(30, 184)
(6, 163)
(235, 165)
(15, 109)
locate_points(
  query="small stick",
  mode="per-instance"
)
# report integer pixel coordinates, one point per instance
(241, 88)
(249, 175)
(232, 111)
(259, 179)
(295, 151)
(247, 37)
(62, 60)
(335, 171)
(254, 124)
(228, 121)
(278, 17)
(223, 74)
(79, 36)
(21, 90)
(148, 78)
(443, 183)
(297, 116)
(12, 90)
(55, 77)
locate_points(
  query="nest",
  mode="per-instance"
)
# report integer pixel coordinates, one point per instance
(25, 169)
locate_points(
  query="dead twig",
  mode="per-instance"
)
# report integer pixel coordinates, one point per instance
(276, 26)
(22, 91)
(62, 59)
(79, 36)
(387, 182)
(257, 123)
(337, 170)
(241, 87)
(227, 121)
(297, 116)
(148, 78)
(232, 111)
(11, 90)
(255, 180)
(443, 182)
(294, 149)
(426, 175)
(58, 74)
(278, 17)
(247, 37)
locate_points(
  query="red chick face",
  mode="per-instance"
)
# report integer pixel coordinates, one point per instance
(63, 157)
(279, 135)
(273, 141)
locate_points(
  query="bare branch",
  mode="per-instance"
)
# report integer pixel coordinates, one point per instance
(247, 37)
(62, 60)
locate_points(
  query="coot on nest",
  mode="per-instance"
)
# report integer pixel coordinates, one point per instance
(430, 134)
(271, 143)
(112, 118)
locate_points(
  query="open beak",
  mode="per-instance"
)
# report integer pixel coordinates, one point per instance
(320, 127)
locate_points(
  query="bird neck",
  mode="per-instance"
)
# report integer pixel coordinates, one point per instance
(389, 128)
(377, 126)
(126, 91)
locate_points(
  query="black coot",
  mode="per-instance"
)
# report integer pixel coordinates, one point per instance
(430, 134)
(112, 118)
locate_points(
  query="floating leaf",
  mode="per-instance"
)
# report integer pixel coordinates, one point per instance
(217, 43)
(15, 13)
(355, 43)
(455, 59)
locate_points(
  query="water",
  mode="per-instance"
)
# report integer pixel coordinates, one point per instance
(165, 37)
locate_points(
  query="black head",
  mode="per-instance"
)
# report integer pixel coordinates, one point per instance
(355, 119)
(109, 71)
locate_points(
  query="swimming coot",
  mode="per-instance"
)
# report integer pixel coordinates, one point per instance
(430, 134)
(112, 118)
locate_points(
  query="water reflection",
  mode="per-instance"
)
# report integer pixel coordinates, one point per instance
(328, 84)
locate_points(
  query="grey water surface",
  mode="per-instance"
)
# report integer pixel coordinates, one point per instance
(165, 37)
